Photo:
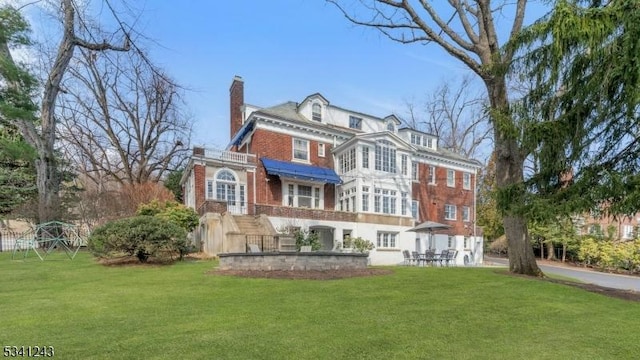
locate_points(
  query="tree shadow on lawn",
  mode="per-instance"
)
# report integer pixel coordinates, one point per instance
(606, 291)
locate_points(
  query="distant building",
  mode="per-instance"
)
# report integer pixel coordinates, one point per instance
(338, 172)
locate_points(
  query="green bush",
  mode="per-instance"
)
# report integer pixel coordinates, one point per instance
(306, 238)
(183, 216)
(606, 254)
(361, 245)
(141, 236)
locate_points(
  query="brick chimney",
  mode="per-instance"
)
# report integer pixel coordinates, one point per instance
(236, 97)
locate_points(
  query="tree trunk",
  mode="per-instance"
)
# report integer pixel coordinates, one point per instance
(551, 255)
(48, 182)
(509, 172)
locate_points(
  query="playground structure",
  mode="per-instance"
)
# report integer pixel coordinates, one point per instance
(47, 238)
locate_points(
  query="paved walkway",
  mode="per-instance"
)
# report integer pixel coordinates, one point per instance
(616, 281)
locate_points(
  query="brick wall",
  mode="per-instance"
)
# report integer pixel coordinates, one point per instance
(199, 183)
(236, 97)
(280, 147)
(432, 199)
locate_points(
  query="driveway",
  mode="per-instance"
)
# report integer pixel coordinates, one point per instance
(588, 276)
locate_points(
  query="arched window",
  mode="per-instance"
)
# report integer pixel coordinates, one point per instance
(226, 187)
(316, 112)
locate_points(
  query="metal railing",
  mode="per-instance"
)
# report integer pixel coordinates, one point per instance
(266, 243)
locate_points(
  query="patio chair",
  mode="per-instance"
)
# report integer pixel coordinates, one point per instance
(429, 257)
(451, 257)
(415, 257)
(442, 257)
(407, 257)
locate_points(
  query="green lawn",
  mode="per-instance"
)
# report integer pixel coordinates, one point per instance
(88, 311)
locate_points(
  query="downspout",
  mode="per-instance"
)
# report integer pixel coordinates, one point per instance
(475, 216)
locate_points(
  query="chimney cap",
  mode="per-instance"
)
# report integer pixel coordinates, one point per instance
(237, 78)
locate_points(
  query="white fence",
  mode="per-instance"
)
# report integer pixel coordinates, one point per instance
(8, 240)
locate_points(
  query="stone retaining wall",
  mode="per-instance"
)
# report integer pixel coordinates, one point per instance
(318, 260)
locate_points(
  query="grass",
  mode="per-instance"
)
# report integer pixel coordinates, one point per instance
(89, 311)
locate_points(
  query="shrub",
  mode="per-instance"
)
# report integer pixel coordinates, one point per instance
(306, 238)
(361, 245)
(185, 217)
(141, 236)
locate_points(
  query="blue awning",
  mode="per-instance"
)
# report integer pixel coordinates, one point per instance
(291, 170)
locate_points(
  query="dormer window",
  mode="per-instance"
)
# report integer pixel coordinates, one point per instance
(391, 127)
(316, 112)
(355, 122)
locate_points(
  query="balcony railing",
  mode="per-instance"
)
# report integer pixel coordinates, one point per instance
(229, 156)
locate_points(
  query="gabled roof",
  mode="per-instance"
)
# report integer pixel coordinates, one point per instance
(316, 96)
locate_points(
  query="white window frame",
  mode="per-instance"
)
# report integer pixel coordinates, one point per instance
(450, 212)
(316, 112)
(415, 209)
(386, 240)
(300, 151)
(365, 157)
(415, 175)
(316, 198)
(466, 181)
(320, 150)
(466, 213)
(432, 175)
(627, 231)
(365, 199)
(404, 160)
(385, 159)
(451, 178)
(355, 122)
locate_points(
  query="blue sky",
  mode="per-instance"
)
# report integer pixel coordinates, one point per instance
(284, 50)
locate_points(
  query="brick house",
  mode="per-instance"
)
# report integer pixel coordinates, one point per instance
(337, 172)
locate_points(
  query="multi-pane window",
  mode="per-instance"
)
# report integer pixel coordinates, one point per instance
(320, 150)
(391, 127)
(451, 178)
(226, 187)
(432, 174)
(627, 231)
(316, 112)
(429, 143)
(347, 160)
(451, 243)
(450, 212)
(316, 198)
(466, 242)
(348, 200)
(355, 122)
(405, 204)
(466, 181)
(403, 164)
(385, 156)
(384, 201)
(414, 209)
(416, 139)
(386, 240)
(301, 149)
(365, 157)
(304, 196)
(365, 198)
(298, 195)
(466, 213)
(414, 171)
